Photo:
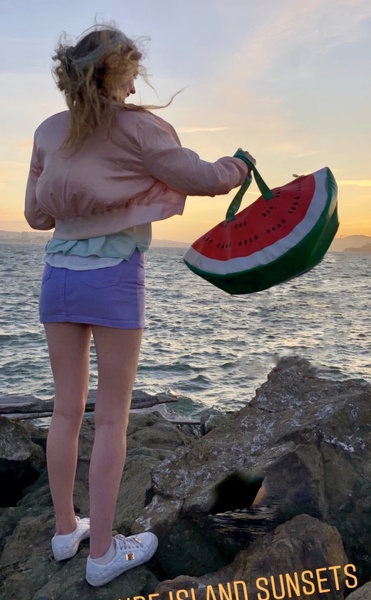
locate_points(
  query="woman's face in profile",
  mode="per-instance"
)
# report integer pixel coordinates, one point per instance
(124, 90)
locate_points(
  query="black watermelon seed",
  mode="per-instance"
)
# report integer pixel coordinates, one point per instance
(283, 221)
(290, 212)
(297, 197)
(250, 239)
(279, 225)
(255, 237)
(264, 214)
(268, 230)
(218, 245)
(273, 229)
(240, 243)
(245, 242)
(271, 207)
(244, 223)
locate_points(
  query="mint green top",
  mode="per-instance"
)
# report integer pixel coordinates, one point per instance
(98, 252)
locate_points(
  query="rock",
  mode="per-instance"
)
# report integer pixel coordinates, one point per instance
(301, 544)
(308, 437)
(9, 518)
(298, 559)
(21, 461)
(363, 593)
(27, 569)
(150, 439)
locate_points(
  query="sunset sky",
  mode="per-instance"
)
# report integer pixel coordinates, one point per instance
(288, 81)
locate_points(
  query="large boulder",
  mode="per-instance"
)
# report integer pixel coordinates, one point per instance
(363, 593)
(301, 557)
(308, 437)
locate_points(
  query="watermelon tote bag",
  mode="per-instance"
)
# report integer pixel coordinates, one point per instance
(283, 234)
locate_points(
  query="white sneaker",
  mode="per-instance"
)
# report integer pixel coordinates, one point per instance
(66, 546)
(130, 552)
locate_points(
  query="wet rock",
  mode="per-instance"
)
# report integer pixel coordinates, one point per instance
(21, 461)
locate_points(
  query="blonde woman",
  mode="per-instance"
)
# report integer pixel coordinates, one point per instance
(100, 173)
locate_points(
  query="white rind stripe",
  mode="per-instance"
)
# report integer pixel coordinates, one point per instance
(273, 252)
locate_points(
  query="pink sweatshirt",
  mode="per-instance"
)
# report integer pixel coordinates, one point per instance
(141, 175)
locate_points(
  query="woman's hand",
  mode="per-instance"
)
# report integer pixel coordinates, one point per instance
(248, 155)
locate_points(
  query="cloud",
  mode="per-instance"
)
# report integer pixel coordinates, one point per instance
(300, 32)
(197, 129)
(309, 153)
(357, 182)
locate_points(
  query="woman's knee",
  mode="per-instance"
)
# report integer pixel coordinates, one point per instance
(72, 414)
(111, 421)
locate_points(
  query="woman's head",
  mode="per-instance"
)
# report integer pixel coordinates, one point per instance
(95, 74)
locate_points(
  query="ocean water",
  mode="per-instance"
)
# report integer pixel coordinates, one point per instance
(211, 349)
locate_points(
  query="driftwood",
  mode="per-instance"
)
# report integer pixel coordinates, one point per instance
(21, 408)
(29, 405)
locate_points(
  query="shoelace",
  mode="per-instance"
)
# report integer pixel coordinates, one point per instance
(128, 543)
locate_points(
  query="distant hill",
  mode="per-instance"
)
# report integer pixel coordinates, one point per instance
(168, 244)
(24, 236)
(41, 238)
(351, 242)
(364, 249)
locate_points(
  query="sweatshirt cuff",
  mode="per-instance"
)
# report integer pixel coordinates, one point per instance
(242, 156)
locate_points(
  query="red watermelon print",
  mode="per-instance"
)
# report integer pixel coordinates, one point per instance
(271, 240)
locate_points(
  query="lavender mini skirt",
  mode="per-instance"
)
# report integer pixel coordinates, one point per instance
(111, 297)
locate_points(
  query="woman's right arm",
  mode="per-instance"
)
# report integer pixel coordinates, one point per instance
(182, 169)
(36, 218)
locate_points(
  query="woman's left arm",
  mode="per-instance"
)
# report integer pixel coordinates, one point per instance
(181, 168)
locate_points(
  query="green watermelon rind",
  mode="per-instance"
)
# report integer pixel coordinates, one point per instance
(301, 258)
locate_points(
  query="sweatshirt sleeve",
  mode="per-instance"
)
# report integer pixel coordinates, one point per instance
(36, 218)
(182, 169)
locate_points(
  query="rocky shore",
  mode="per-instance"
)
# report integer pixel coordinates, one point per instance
(305, 439)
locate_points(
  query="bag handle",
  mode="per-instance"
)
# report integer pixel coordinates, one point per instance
(264, 189)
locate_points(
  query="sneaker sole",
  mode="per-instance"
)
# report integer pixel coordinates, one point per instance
(151, 550)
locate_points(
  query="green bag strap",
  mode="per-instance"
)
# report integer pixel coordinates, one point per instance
(264, 189)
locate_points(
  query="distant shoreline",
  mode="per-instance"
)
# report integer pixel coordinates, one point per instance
(349, 244)
(29, 237)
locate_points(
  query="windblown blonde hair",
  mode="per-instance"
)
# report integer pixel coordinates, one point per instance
(89, 73)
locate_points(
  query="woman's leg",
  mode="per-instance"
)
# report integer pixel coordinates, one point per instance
(117, 356)
(69, 346)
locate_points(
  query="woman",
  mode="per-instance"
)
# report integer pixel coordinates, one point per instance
(100, 173)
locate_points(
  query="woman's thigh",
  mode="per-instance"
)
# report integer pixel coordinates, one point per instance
(117, 358)
(69, 350)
